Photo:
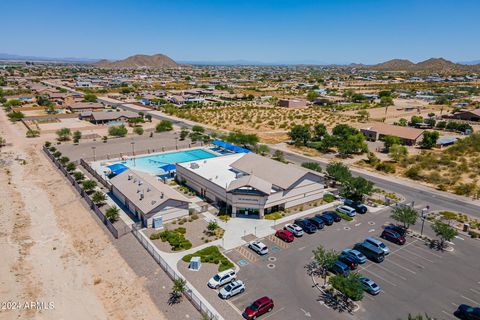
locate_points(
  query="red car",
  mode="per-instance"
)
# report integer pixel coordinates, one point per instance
(285, 235)
(393, 236)
(259, 307)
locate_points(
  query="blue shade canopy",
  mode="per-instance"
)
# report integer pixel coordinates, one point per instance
(117, 168)
(168, 167)
(230, 146)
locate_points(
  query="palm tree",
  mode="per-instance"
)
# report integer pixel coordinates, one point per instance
(88, 185)
(98, 197)
(179, 287)
(112, 214)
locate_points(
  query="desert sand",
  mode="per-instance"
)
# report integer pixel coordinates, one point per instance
(53, 251)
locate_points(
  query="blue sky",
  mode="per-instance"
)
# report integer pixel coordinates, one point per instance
(335, 31)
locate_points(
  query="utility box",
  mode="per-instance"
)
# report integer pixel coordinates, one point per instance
(466, 227)
(195, 264)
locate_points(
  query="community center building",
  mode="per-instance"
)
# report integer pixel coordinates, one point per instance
(247, 184)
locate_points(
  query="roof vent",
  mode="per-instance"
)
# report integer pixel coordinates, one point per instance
(140, 182)
(194, 165)
(130, 177)
(161, 195)
(153, 202)
(135, 180)
(141, 195)
(148, 189)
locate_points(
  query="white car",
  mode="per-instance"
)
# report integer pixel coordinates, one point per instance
(349, 211)
(231, 289)
(222, 278)
(259, 247)
(293, 228)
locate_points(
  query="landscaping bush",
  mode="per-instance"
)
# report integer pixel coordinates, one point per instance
(175, 238)
(329, 198)
(274, 215)
(211, 255)
(386, 167)
(344, 216)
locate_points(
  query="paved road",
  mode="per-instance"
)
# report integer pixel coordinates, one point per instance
(420, 194)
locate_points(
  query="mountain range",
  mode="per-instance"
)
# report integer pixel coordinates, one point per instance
(429, 65)
(139, 61)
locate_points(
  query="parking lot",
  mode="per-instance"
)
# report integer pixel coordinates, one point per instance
(414, 278)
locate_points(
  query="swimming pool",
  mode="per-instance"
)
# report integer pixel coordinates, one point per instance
(152, 163)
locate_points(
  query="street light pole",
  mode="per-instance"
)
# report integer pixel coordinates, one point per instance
(93, 149)
(133, 152)
(424, 216)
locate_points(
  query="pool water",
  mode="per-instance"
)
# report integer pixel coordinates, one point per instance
(115, 123)
(152, 163)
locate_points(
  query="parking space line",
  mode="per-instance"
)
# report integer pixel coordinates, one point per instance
(400, 266)
(469, 299)
(271, 314)
(476, 291)
(380, 277)
(234, 307)
(428, 251)
(448, 314)
(409, 260)
(390, 271)
(419, 256)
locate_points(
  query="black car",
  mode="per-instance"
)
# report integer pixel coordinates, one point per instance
(317, 222)
(306, 225)
(349, 261)
(328, 220)
(465, 312)
(334, 215)
(398, 229)
(357, 205)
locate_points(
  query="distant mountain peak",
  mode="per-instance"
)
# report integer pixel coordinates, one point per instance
(429, 65)
(139, 61)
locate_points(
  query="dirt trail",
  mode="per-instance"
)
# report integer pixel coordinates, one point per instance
(53, 251)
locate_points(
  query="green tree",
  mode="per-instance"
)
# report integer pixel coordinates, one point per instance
(416, 120)
(312, 95)
(406, 215)
(148, 117)
(78, 176)
(279, 156)
(178, 288)
(263, 149)
(15, 116)
(89, 97)
(77, 135)
(64, 160)
(429, 139)
(315, 166)
(444, 232)
(183, 133)
(138, 130)
(389, 141)
(363, 114)
(70, 166)
(352, 144)
(300, 134)
(402, 122)
(88, 185)
(323, 261)
(356, 187)
(319, 131)
(164, 125)
(118, 131)
(338, 171)
(98, 197)
(398, 152)
(198, 129)
(112, 213)
(349, 285)
(64, 134)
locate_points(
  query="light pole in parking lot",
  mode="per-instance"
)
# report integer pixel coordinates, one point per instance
(424, 216)
(93, 149)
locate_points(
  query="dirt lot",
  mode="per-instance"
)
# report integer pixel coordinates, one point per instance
(53, 250)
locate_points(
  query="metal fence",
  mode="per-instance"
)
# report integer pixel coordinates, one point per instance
(116, 232)
(189, 294)
(99, 178)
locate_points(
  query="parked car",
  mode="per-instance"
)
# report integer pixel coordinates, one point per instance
(340, 268)
(333, 215)
(259, 247)
(379, 244)
(370, 286)
(357, 255)
(370, 251)
(293, 228)
(222, 278)
(306, 225)
(398, 229)
(328, 220)
(317, 222)
(392, 236)
(357, 205)
(349, 261)
(466, 312)
(232, 289)
(349, 211)
(285, 235)
(259, 307)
